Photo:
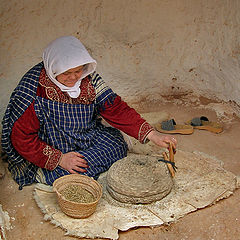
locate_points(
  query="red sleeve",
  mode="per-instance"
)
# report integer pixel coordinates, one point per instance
(25, 140)
(126, 119)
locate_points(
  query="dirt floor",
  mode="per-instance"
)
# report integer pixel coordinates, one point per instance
(218, 222)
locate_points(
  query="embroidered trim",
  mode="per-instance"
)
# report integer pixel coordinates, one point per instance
(88, 93)
(54, 157)
(144, 130)
(53, 92)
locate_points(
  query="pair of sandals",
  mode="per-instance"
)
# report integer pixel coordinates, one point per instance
(202, 123)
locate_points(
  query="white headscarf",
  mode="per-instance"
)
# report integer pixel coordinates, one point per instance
(63, 54)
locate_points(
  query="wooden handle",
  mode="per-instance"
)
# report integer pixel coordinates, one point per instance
(171, 154)
(170, 167)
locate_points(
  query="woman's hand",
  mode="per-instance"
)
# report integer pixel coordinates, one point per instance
(162, 140)
(73, 161)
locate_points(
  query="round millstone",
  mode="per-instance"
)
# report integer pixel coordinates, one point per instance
(139, 179)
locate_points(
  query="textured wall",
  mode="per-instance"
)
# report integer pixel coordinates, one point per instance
(143, 47)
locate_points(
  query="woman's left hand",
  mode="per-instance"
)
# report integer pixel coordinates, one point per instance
(162, 140)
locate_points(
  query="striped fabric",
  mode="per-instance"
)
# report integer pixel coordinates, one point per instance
(23, 172)
(67, 127)
(103, 92)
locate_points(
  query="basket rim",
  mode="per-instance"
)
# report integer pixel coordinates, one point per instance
(78, 176)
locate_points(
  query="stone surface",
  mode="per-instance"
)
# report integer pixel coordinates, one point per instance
(139, 179)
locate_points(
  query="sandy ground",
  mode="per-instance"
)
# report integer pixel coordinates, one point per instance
(218, 222)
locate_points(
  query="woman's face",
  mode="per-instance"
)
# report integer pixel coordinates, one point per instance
(71, 76)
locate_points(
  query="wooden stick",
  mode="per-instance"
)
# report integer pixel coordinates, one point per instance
(170, 167)
(171, 154)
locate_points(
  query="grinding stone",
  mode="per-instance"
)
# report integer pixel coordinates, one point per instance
(139, 179)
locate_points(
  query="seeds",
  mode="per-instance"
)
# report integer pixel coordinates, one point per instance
(77, 194)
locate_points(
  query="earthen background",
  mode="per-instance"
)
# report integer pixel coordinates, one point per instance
(180, 56)
(144, 48)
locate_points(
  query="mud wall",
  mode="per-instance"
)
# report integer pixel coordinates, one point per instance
(143, 47)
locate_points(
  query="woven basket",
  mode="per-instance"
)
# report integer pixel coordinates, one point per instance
(74, 209)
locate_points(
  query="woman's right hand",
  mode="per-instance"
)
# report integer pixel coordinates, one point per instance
(73, 161)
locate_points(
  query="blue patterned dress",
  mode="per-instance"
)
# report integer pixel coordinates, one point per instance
(66, 127)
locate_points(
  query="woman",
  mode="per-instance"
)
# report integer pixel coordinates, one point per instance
(52, 127)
